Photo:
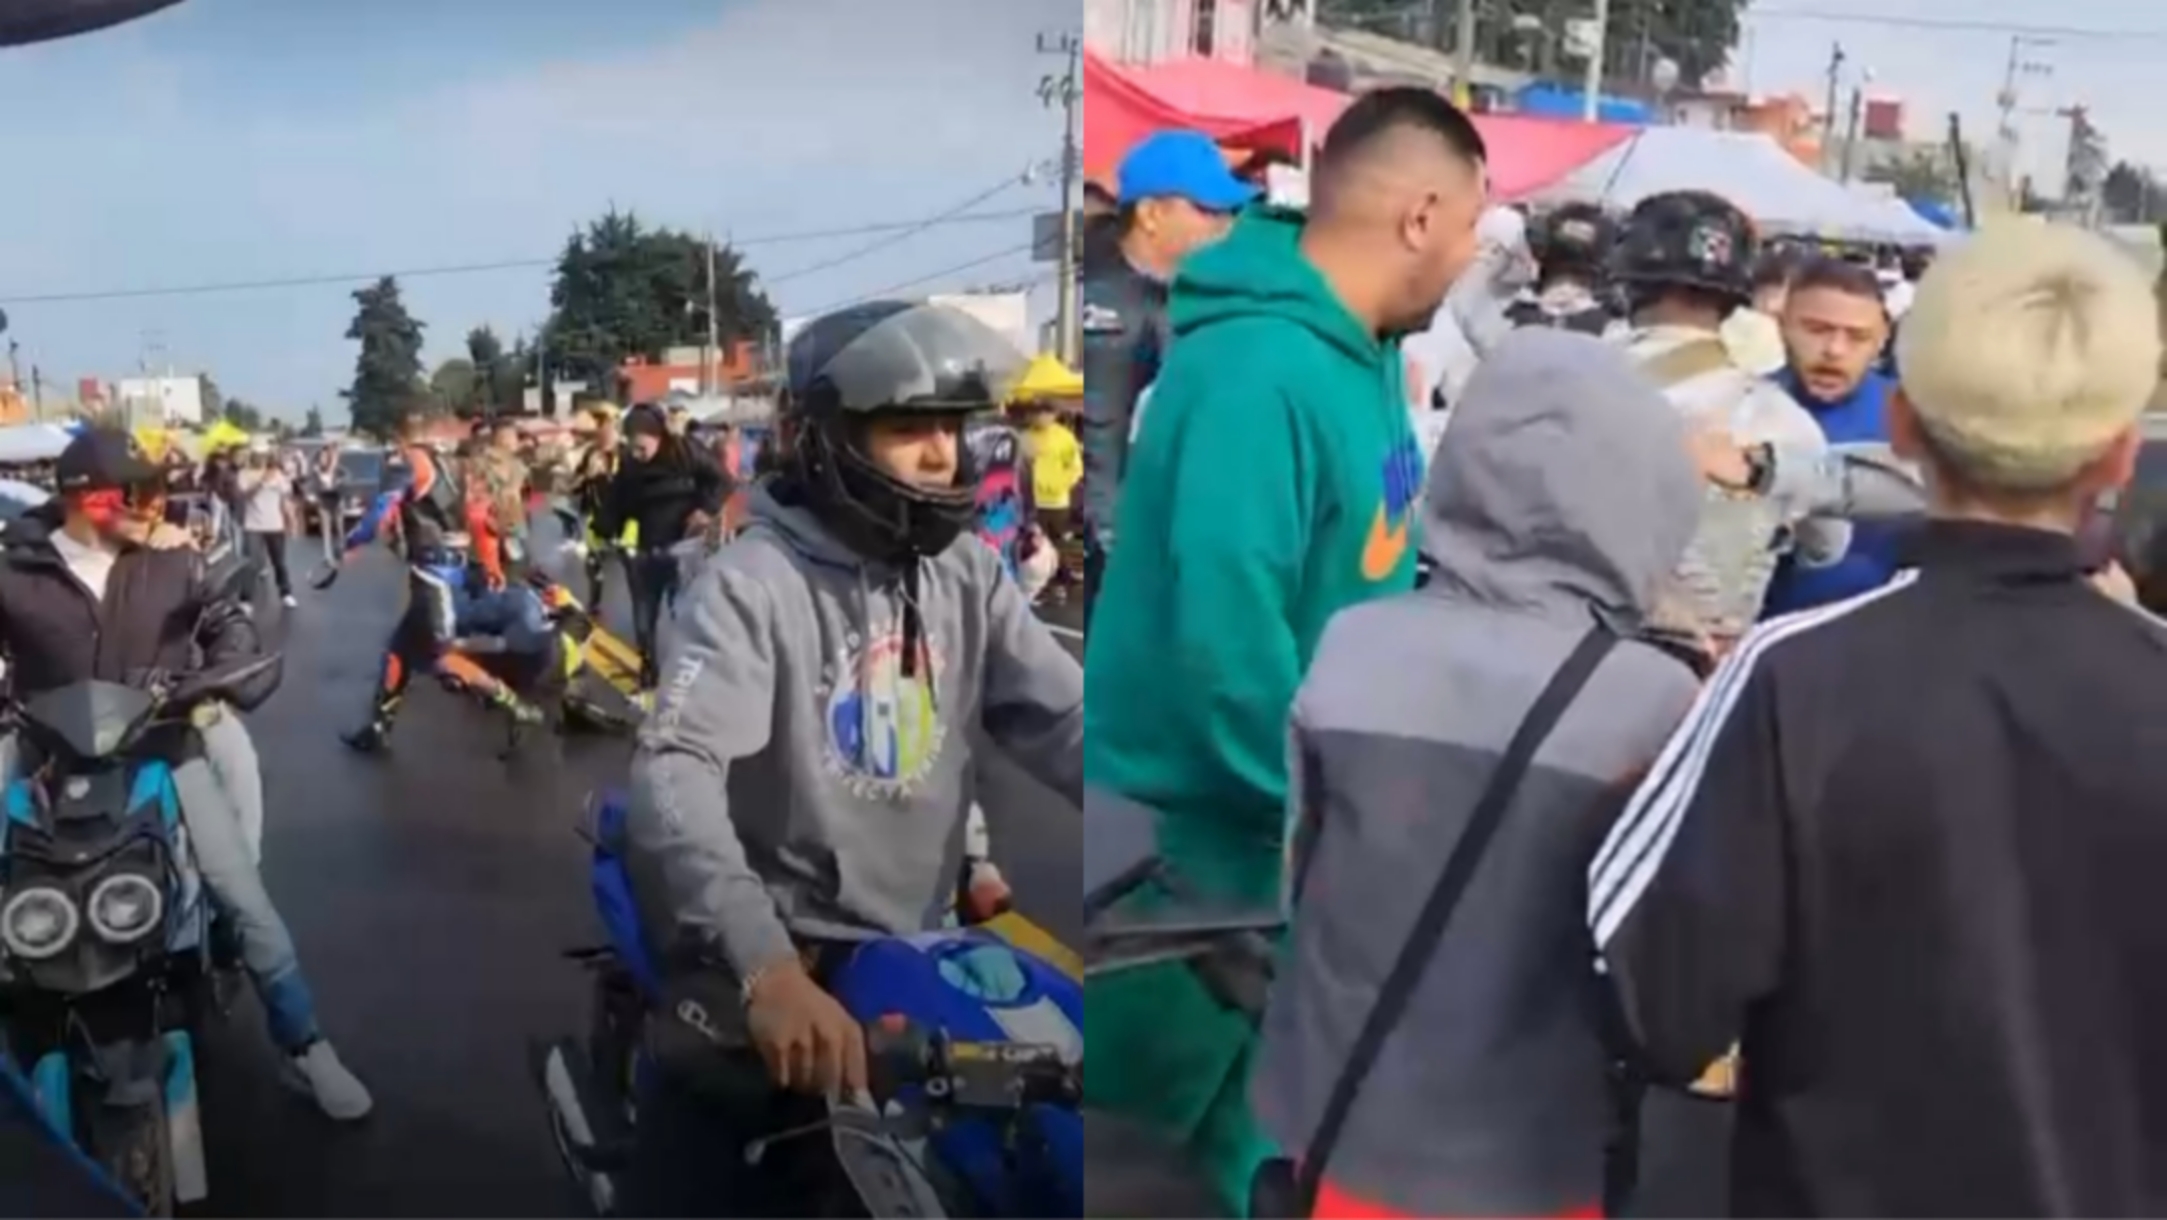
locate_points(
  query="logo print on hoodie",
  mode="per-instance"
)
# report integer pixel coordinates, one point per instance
(1386, 545)
(884, 730)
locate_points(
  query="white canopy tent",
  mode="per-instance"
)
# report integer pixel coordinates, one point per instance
(1781, 194)
(32, 443)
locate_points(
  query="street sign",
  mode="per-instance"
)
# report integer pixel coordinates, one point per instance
(1046, 236)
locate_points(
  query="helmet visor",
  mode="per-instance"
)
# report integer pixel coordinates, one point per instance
(913, 358)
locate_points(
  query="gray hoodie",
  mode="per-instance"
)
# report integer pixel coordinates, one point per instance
(793, 782)
(1562, 495)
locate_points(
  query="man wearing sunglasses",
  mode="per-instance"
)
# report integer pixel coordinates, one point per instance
(82, 596)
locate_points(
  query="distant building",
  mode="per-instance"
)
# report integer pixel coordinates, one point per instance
(685, 370)
(1153, 31)
(178, 401)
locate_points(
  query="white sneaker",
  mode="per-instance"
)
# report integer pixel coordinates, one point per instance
(289, 601)
(318, 1073)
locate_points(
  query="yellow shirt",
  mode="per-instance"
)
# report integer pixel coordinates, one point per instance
(1056, 463)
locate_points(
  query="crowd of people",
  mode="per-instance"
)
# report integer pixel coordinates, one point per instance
(1699, 778)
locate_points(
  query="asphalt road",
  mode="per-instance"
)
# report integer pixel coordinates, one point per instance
(430, 893)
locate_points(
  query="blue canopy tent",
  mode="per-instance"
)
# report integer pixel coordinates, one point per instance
(1550, 101)
(1935, 213)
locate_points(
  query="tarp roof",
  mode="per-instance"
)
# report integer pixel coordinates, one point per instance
(33, 443)
(1751, 170)
(1244, 108)
(28, 21)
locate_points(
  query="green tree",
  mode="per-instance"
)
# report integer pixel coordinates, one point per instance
(241, 415)
(214, 402)
(453, 386)
(624, 290)
(499, 375)
(1696, 35)
(312, 424)
(1918, 174)
(2131, 194)
(387, 372)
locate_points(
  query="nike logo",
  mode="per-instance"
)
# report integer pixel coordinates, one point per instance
(1385, 546)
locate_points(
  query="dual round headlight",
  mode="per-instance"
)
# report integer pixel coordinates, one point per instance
(40, 921)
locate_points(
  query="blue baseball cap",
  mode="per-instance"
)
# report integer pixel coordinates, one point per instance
(1182, 165)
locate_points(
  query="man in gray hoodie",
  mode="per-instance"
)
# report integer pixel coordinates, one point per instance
(1557, 507)
(802, 784)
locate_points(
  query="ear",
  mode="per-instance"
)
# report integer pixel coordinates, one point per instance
(2113, 469)
(1906, 436)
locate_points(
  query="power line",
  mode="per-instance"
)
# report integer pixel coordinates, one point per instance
(898, 238)
(911, 227)
(929, 276)
(1948, 23)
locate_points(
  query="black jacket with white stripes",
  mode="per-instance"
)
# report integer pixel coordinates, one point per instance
(1912, 849)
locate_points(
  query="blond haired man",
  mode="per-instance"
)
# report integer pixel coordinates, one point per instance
(1908, 847)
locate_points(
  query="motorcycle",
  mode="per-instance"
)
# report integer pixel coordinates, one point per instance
(976, 1054)
(111, 953)
(1139, 913)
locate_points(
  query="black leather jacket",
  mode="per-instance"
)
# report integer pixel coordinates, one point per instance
(1124, 337)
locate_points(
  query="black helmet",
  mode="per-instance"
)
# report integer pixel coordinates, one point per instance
(882, 359)
(1687, 239)
(1574, 239)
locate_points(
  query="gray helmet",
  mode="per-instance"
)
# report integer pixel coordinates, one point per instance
(889, 358)
(900, 356)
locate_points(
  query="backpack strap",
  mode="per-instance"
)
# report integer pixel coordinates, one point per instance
(1429, 926)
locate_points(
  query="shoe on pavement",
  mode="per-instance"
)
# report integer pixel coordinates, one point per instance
(318, 1073)
(368, 739)
(289, 601)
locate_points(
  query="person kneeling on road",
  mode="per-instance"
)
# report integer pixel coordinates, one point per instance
(82, 598)
(803, 782)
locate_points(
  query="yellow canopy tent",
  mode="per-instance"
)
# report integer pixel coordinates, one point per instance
(223, 435)
(1047, 377)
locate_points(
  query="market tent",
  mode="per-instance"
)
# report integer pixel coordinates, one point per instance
(32, 443)
(1244, 108)
(1119, 111)
(1778, 191)
(1047, 377)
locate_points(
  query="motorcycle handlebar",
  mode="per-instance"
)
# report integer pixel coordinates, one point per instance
(968, 1075)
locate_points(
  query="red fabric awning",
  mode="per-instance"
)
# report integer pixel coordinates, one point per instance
(1119, 111)
(1243, 108)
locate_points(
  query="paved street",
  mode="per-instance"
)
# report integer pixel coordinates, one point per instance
(430, 893)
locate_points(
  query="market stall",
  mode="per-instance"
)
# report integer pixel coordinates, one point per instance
(1781, 194)
(24, 444)
(1243, 108)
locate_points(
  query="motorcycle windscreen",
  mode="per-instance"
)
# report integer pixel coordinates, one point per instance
(28, 21)
(40, 1173)
(91, 719)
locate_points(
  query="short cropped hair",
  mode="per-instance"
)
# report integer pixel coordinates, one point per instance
(2027, 351)
(1380, 112)
(1834, 274)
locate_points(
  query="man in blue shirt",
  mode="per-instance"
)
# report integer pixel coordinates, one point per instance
(1834, 328)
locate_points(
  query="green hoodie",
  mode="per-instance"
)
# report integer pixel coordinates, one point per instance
(1272, 484)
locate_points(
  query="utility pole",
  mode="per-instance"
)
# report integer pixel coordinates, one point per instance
(1828, 124)
(1066, 91)
(1463, 54)
(37, 394)
(710, 358)
(1591, 86)
(2006, 101)
(1851, 128)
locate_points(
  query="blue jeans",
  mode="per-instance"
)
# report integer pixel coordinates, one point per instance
(219, 839)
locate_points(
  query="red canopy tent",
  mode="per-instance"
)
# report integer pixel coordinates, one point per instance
(1244, 108)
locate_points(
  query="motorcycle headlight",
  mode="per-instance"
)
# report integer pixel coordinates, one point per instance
(39, 922)
(125, 907)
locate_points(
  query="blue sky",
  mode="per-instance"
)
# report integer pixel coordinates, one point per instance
(240, 140)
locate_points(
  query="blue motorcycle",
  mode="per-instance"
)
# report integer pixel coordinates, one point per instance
(975, 1047)
(109, 949)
